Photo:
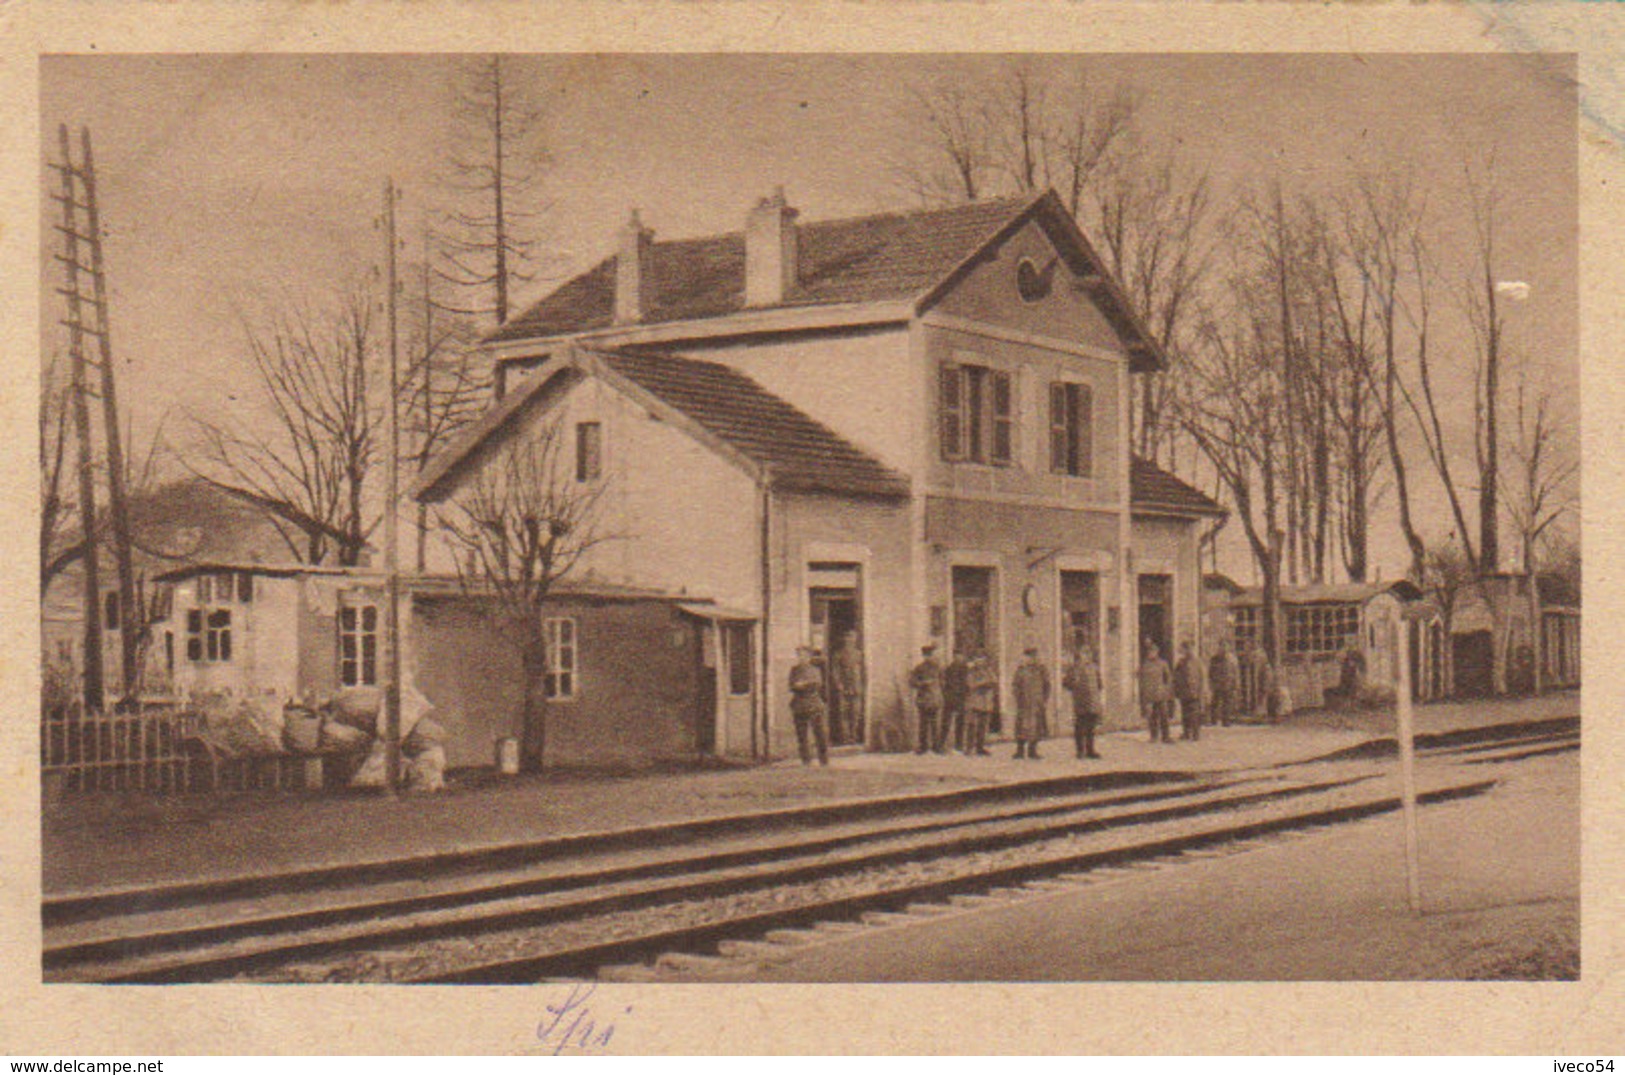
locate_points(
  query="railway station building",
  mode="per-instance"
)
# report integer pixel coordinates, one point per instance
(870, 434)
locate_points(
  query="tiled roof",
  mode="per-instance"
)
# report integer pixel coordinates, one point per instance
(799, 454)
(891, 256)
(1151, 487)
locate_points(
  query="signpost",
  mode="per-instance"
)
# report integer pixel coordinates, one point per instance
(1406, 733)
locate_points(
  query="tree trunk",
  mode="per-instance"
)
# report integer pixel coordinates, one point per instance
(533, 717)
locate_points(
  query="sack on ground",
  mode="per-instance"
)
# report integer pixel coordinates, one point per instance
(426, 771)
(360, 708)
(425, 735)
(371, 772)
(342, 739)
(301, 730)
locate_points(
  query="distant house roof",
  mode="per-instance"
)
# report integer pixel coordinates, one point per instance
(1344, 593)
(886, 257)
(1218, 580)
(795, 452)
(1153, 489)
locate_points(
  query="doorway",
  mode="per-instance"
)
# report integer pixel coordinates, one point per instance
(1473, 656)
(974, 629)
(1080, 619)
(1156, 613)
(835, 612)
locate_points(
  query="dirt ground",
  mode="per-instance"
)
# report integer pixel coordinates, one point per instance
(1501, 900)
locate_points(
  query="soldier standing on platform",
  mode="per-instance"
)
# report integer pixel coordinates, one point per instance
(1156, 692)
(847, 671)
(982, 683)
(955, 690)
(1082, 678)
(1224, 683)
(1032, 689)
(1189, 689)
(807, 706)
(926, 680)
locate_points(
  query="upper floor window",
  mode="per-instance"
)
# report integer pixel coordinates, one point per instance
(589, 451)
(1070, 447)
(976, 405)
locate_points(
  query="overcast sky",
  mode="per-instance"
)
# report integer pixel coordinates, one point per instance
(229, 179)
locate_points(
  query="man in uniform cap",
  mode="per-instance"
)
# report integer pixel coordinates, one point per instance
(807, 706)
(1082, 678)
(926, 680)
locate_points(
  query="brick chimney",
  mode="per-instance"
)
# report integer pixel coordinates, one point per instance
(634, 275)
(770, 251)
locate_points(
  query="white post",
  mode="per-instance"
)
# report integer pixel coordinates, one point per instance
(1407, 761)
(392, 566)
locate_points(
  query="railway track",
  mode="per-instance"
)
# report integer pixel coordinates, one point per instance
(628, 902)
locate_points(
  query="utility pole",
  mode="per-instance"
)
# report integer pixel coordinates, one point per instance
(392, 555)
(92, 646)
(428, 405)
(130, 616)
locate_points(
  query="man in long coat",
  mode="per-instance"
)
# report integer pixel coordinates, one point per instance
(1031, 687)
(1156, 692)
(955, 692)
(1224, 684)
(1190, 687)
(1082, 678)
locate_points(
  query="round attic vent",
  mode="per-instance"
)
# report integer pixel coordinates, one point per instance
(1032, 282)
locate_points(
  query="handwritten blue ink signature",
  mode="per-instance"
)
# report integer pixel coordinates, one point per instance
(571, 1023)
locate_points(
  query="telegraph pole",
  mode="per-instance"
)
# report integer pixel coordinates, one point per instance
(392, 565)
(130, 617)
(92, 645)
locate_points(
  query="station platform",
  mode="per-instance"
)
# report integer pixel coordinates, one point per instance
(101, 842)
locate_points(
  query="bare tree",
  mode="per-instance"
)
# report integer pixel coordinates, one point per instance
(448, 382)
(520, 527)
(1356, 409)
(1539, 490)
(1152, 217)
(1484, 313)
(1235, 413)
(1013, 133)
(497, 165)
(306, 457)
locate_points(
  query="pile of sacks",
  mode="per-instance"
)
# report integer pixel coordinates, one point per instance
(355, 721)
(350, 726)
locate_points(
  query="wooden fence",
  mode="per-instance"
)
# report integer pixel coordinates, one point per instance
(141, 751)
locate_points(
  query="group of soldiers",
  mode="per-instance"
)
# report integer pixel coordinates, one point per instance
(958, 702)
(1203, 695)
(961, 700)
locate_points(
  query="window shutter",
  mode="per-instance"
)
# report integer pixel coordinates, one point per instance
(1002, 419)
(952, 414)
(1084, 424)
(1057, 427)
